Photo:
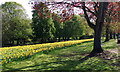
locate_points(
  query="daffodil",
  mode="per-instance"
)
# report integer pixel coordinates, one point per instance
(8, 53)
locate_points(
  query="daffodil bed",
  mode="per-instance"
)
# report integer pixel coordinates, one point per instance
(21, 52)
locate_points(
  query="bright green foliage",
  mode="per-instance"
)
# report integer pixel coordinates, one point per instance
(15, 24)
(74, 27)
(43, 25)
(87, 31)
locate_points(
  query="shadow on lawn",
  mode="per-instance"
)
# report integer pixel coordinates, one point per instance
(66, 65)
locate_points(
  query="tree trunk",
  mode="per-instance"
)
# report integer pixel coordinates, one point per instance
(63, 38)
(59, 39)
(68, 38)
(73, 38)
(97, 41)
(76, 38)
(41, 40)
(97, 27)
(79, 38)
(114, 35)
(17, 41)
(12, 42)
(111, 35)
(48, 39)
(107, 34)
(23, 41)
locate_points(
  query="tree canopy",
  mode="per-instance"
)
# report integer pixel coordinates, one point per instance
(43, 25)
(15, 25)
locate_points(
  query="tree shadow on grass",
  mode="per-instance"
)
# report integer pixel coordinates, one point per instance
(65, 65)
(108, 47)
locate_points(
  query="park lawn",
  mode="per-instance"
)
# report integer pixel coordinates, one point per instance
(67, 58)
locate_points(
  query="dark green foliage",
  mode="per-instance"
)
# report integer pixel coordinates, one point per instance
(76, 27)
(58, 25)
(43, 27)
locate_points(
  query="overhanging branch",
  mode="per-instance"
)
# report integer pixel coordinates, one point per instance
(90, 11)
(87, 18)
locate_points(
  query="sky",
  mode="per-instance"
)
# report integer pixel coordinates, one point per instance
(24, 3)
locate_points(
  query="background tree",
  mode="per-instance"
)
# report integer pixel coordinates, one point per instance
(15, 24)
(110, 19)
(58, 26)
(74, 27)
(43, 25)
(0, 27)
(87, 31)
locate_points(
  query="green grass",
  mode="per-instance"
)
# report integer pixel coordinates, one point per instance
(67, 58)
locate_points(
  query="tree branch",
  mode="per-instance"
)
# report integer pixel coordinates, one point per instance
(87, 18)
(91, 11)
(64, 3)
(95, 6)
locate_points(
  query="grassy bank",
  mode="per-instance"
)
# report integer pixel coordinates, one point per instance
(68, 58)
(10, 54)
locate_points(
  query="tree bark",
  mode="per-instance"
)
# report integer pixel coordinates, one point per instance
(97, 41)
(24, 41)
(59, 39)
(111, 35)
(107, 34)
(79, 38)
(12, 42)
(17, 41)
(114, 35)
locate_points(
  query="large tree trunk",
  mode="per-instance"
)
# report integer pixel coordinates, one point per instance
(97, 41)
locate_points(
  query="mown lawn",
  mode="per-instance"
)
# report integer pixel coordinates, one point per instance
(67, 58)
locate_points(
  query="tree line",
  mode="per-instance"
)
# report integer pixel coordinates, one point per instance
(17, 29)
(47, 26)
